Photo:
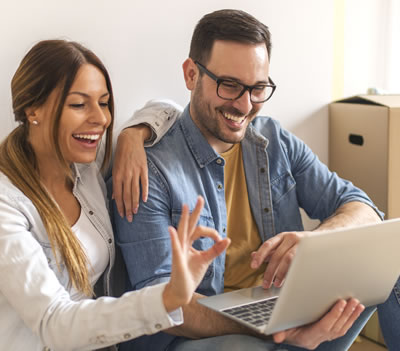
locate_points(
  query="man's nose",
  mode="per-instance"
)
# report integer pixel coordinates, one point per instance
(244, 104)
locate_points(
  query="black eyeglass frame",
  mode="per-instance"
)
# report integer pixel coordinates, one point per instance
(249, 88)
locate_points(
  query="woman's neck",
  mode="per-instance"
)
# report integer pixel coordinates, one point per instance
(53, 175)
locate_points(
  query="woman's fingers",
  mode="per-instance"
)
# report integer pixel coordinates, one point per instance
(216, 249)
(183, 224)
(202, 231)
(195, 215)
(144, 181)
(130, 172)
(175, 247)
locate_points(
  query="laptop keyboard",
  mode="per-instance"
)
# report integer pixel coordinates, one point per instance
(255, 313)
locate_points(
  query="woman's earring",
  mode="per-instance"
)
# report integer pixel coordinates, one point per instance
(35, 122)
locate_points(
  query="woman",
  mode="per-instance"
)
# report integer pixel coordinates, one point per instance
(56, 239)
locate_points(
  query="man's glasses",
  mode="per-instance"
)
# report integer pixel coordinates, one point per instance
(229, 89)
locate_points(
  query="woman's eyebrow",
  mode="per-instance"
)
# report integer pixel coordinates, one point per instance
(86, 95)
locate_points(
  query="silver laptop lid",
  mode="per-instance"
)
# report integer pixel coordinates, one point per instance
(361, 262)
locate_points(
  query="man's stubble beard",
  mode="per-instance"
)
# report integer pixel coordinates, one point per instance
(206, 118)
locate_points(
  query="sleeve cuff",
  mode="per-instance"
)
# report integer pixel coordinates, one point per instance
(159, 115)
(176, 316)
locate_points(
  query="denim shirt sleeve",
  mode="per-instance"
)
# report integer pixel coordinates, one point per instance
(319, 191)
(145, 242)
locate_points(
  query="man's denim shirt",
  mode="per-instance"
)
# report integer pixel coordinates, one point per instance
(282, 173)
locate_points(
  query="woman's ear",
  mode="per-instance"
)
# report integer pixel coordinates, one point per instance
(32, 115)
(190, 73)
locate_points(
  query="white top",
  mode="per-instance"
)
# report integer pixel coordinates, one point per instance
(95, 248)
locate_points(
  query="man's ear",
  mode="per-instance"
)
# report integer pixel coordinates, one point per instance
(190, 73)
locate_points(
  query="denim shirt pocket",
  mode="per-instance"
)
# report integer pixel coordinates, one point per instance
(285, 203)
(148, 261)
(281, 187)
(201, 244)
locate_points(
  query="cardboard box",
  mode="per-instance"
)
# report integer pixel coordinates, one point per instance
(372, 330)
(364, 146)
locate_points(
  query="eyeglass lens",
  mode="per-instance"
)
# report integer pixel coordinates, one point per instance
(232, 90)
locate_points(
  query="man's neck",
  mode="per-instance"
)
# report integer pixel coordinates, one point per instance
(218, 145)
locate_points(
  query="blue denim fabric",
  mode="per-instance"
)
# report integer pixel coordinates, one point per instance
(226, 343)
(245, 342)
(282, 175)
(389, 318)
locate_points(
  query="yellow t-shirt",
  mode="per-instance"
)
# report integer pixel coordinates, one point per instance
(241, 227)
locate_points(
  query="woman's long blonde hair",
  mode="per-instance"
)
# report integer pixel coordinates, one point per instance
(50, 64)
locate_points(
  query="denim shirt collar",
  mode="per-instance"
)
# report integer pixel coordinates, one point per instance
(202, 152)
(255, 137)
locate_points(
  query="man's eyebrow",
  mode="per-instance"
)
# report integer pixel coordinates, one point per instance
(87, 95)
(239, 81)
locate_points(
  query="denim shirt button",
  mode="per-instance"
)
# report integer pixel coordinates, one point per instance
(262, 170)
(266, 210)
(219, 186)
(219, 161)
(91, 212)
(223, 230)
(109, 241)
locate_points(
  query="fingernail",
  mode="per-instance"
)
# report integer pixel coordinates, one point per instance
(341, 308)
(129, 218)
(266, 284)
(135, 209)
(277, 283)
(121, 214)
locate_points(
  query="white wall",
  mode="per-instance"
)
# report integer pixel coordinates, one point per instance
(143, 49)
(366, 45)
(392, 71)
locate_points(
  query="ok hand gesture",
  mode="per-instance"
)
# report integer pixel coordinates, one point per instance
(188, 264)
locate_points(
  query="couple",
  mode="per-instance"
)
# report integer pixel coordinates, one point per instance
(56, 242)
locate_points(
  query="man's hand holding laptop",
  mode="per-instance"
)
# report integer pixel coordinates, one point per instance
(333, 325)
(279, 252)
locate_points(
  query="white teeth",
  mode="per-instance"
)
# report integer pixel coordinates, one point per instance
(87, 136)
(233, 118)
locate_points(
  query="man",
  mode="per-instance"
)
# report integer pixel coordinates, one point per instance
(254, 177)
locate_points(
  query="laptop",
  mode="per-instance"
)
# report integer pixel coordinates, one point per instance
(361, 262)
